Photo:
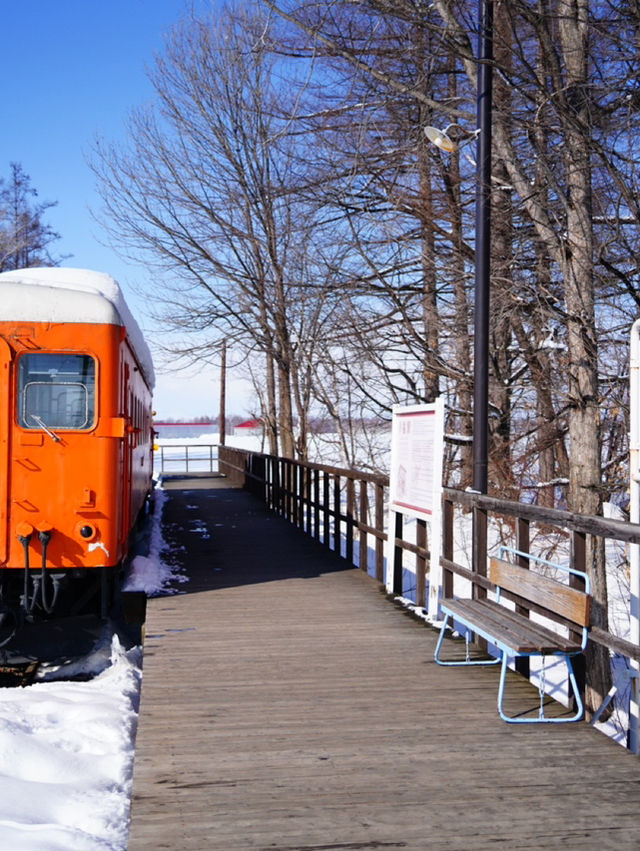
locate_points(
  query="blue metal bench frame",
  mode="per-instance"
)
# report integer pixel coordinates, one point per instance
(506, 649)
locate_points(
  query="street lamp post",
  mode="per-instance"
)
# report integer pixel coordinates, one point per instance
(482, 281)
(482, 134)
(482, 250)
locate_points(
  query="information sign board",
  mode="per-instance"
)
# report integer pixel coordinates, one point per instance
(415, 482)
(417, 446)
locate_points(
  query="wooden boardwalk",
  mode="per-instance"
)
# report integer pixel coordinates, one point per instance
(286, 704)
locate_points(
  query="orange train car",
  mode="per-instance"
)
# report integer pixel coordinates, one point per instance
(76, 380)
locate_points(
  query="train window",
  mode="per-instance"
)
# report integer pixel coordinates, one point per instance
(56, 391)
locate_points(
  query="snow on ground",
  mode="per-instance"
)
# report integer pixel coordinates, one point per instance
(66, 748)
(66, 760)
(151, 573)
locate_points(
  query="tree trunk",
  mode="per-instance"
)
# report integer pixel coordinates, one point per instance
(578, 271)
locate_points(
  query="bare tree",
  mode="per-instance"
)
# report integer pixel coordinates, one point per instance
(207, 191)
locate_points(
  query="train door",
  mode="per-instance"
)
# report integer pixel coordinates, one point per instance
(5, 455)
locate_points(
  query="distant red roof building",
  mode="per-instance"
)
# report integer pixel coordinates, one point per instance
(186, 425)
(250, 424)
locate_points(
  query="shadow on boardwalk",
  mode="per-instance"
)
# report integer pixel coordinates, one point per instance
(224, 538)
(287, 705)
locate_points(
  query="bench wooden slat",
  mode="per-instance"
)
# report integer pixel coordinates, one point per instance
(571, 603)
(508, 628)
(531, 631)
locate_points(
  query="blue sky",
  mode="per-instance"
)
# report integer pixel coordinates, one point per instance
(72, 70)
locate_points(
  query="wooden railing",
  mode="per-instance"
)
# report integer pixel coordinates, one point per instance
(345, 509)
(338, 505)
(340, 508)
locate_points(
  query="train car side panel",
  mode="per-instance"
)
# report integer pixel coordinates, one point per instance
(136, 459)
(5, 415)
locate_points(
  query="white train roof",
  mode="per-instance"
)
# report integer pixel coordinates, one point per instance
(54, 294)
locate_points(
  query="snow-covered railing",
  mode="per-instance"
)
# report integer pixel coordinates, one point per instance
(345, 509)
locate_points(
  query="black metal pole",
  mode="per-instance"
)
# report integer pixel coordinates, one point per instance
(482, 250)
(222, 415)
(482, 288)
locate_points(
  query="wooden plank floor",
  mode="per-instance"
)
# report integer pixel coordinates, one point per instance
(286, 704)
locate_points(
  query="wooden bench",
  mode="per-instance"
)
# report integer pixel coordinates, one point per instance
(514, 634)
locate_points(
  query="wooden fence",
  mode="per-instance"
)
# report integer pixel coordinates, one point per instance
(345, 510)
(337, 505)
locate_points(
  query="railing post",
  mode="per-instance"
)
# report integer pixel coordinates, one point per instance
(397, 553)
(447, 546)
(287, 489)
(337, 512)
(301, 485)
(268, 488)
(293, 494)
(296, 470)
(350, 523)
(479, 559)
(479, 548)
(306, 506)
(326, 516)
(421, 563)
(293, 501)
(579, 562)
(316, 504)
(362, 535)
(523, 542)
(379, 527)
(306, 499)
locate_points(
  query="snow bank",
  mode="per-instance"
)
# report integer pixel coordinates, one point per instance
(151, 573)
(66, 760)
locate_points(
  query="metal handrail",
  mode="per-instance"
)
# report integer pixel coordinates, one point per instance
(200, 454)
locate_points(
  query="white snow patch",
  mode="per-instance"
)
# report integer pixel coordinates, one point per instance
(67, 748)
(151, 573)
(66, 760)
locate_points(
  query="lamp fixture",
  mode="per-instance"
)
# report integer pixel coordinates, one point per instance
(441, 138)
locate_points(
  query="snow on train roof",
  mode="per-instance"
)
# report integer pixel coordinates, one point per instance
(71, 295)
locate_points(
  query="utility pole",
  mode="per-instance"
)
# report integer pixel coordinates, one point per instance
(223, 394)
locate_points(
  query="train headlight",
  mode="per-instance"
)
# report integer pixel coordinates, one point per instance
(87, 531)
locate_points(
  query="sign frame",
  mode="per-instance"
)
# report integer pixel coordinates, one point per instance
(415, 482)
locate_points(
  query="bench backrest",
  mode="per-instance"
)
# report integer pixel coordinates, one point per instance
(570, 603)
